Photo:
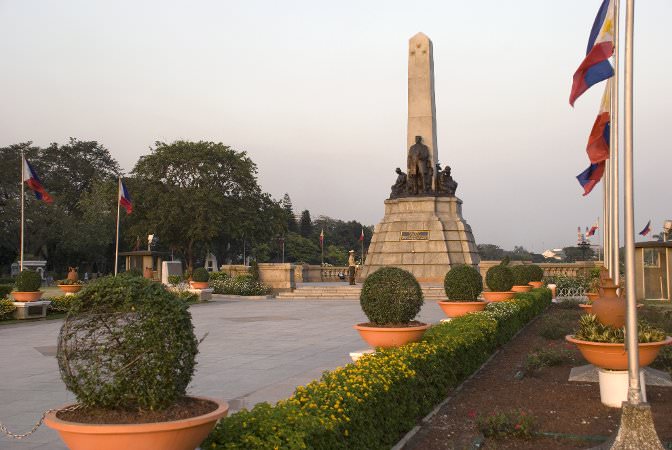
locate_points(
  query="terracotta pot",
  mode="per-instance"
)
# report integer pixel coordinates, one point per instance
(70, 288)
(609, 308)
(148, 273)
(592, 296)
(199, 284)
(498, 296)
(536, 284)
(390, 337)
(184, 434)
(521, 288)
(457, 309)
(27, 296)
(72, 274)
(614, 356)
(587, 308)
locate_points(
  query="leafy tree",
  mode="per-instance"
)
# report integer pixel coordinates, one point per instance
(289, 213)
(573, 254)
(490, 252)
(306, 224)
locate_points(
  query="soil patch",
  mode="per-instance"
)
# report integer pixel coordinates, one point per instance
(184, 408)
(570, 411)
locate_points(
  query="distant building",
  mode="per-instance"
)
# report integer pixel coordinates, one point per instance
(556, 254)
(38, 266)
(211, 263)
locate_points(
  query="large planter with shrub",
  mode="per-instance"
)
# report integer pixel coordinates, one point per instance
(70, 286)
(521, 279)
(27, 285)
(200, 278)
(536, 274)
(391, 298)
(127, 351)
(499, 280)
(463, 284)
(609, 308)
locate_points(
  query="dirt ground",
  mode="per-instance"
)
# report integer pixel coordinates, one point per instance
(557, 405)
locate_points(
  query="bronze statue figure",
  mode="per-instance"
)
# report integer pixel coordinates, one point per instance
(420, 180)
(445, 185)
(399, 187)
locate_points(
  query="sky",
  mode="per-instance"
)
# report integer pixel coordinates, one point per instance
(316, 93)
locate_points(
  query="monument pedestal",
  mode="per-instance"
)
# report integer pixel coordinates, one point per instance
(424, 235)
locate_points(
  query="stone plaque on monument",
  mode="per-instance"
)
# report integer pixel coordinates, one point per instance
(423, 230)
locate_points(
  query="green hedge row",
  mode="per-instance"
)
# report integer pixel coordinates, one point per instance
(372, 403)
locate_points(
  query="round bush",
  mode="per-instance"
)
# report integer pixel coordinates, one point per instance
(127, 343)
(28, 281)
(499, 278)
(521, 275)
(463, 283)
(200, 275)
(391, 296)
(536, 272)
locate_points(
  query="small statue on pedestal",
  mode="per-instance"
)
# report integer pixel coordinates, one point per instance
(399, 188)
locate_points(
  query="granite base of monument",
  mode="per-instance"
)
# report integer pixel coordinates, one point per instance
(424, 235)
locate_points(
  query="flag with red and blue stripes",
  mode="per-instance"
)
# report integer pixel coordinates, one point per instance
(33, 182)
(125, 198)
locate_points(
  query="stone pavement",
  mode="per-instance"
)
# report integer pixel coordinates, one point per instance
(255, 351)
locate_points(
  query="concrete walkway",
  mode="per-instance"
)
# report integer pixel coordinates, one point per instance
(255, 351)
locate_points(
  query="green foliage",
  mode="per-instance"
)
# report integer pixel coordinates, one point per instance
(391, 296)
(546, 357)
(499, 278)
(240, 285)
(131, 273)
(556, 327)
(127, 343)
(498, 425)
(214, 276)
(6, 308)
(463, 283)
(254, 270)
(28, 281)
(61, 303)
(370, 404)
(5, 289)
(186, 296)
(306, 224)
(521, 275)
(174, 280)
(564, 282)
(68, 282)
(591, 329)
(536, 272)
(200, 275)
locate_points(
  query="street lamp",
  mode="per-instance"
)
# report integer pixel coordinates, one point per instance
(281, 239)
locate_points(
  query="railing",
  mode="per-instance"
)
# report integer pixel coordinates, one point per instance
(577, 293)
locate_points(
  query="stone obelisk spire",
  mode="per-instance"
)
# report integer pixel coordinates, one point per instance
(421, 104)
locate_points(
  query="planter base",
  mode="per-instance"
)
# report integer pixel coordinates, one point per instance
(614, 387)
(31, 310)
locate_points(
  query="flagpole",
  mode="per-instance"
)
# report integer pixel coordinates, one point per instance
(22, 213)
(116, 248)
(631, 333)
(614, 156)
(607, 216)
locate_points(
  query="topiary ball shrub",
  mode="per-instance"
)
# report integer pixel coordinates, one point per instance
(536, 272)
(499, 278)
(28, 281)
(391, 296)
(200, 275)
(521, 275)
(127, 344)
(463, 283)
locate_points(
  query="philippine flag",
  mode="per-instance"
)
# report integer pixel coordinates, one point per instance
(598, 142)
(596, 67)
(590, 177)
(125, 198)
(33, 182)
(592, 230)
(646, 230)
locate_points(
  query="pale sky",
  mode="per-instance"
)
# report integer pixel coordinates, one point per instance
(316, 93)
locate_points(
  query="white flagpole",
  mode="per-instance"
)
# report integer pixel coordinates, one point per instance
(23, 163)
(607, 216)
(116, 249)
(614, 230)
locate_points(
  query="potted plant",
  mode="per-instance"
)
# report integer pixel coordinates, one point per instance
(536, 275)
(72, 274)
(391, 298)
(463, 284)
(27, 285)
(499, 280)
(521, 279)
(199, 279)
(604, 346)
(70, 286)
(127, 351)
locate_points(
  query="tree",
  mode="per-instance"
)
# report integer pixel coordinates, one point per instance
(306, 224)
(573, 254)
(490, 252)
(289, 213)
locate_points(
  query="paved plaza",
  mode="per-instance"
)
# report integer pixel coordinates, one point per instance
(255, 351)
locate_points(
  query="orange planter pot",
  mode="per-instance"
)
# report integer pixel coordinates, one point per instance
(457, 309)
(614, 356)
(498, 296)
(199, 284)
(27, 296)
(185, 434)
(521, 288)
(70, 288)
(587, 308)
(592, 296)
(536, 284)
(390, 337)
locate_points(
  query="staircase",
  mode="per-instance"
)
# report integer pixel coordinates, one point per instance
(338, 291)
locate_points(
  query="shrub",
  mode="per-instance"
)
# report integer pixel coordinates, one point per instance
(6, 308)
(7, 280)
(536, 272)
(499, 278)
(68, 282)
(254, 270)
(554, 328)
(391, 296)
(28, 281)
(131, 273)
(174, 280)
(463, 283)
(127, 343)
(240, 285)
(547, 357)
(5, 289)
(515, 423)
(591, 329)
(521, 275)
(200, 275)
(186, 296)
(219, 276)
(61, 303)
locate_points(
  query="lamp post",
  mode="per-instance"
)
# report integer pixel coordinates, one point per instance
(281, 239)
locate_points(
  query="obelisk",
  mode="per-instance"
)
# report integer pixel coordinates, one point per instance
(421, 103)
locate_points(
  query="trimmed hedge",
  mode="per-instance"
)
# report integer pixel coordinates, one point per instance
(463, 283)
(521, 275)
(200, 275)
(391, 296)
(499, 278)
(5, 289)
(372, 403)
(28, 281)
(536, 272)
